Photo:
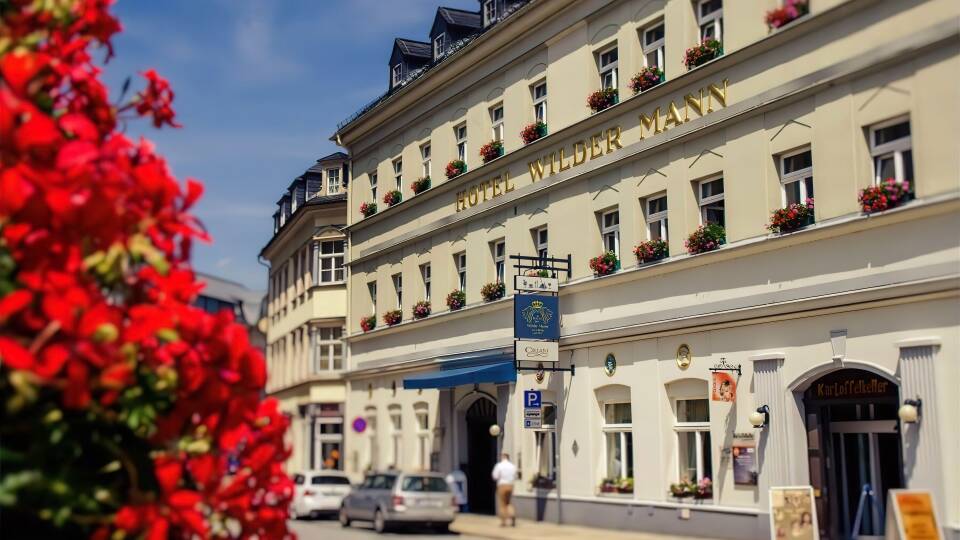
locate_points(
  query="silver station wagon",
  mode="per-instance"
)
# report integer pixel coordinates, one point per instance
(392, 498)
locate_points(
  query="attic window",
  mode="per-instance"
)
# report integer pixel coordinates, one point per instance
(397, 74)
(438, 46)
(489, 12)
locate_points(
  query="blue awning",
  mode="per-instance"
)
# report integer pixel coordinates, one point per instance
(501, 371)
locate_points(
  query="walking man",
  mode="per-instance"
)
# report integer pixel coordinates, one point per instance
(505, 473)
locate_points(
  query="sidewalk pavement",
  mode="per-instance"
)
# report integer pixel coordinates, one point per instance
(489, 527)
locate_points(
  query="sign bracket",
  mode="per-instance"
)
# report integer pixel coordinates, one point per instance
(724, 366)
(572, 369)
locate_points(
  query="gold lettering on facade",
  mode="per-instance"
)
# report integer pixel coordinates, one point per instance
(650, 123)
(578, 157)
(613, 139)
(496, 187)
(536, 169)
(461, 200)
(696, 103)
(563, 166)
(658, 123)
(673, 116)
(553, 156)
(472, 197)
(595, 150)
(716, 92)
(507, 186)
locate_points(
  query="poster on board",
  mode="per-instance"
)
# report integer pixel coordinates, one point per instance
(724, 387)
(914, 515)
(744, 454)
(793, 514)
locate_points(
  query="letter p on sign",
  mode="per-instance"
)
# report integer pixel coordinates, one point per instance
(531, 399)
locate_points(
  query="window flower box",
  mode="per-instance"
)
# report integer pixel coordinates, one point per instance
(392, 197)
(493, 291)
(456, 299)
(533, 132)
(456, 168)
(651, 250)
(491, 151)
(542, 482)
(368, 209)
(420, 185)
(792, 218)
(368, 323)
(884, 196)
(421, 309)
(602, 99)
(617, 485)
(786, 14)
(706, 238)
(702, 53)
(392, 317)
(605, 264)
(646, 79)
(538, 272)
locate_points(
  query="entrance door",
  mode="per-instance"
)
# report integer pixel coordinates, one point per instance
(481, 456)
(853, 442)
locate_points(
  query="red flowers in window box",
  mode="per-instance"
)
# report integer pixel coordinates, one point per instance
(491, 151)
(533, 132)
(702, 53)
(706, 238)
(368, 323)
(602, 99)
(392, 317)
(646, 79)
(392, 197)
(651, 250)
(791, 218)
(493, 291)
(421, 309)
(884, 196)
(368, 209)
(456, 168)
(456, 299)
(789, 12)
(605, 264)
(420, 185)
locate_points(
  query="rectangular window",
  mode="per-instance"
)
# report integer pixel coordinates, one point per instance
(710, 19)
(328, 440)
(331, 261)
(496, 120)
(693, 439)
(711, 201)
(373, 186)
(653, 46)
(618, 438)
(397, 74)
(396, 432)
(372, 289)
(333, 181)
(425, 272)
(891, 149)
(610, 231)
(461, 134)
(608, 69)
(328, 349)
(438, 43)
(540, 102)
(656, 210)
(489, 12)
(423, 438)
(499, 260)
(398, 287)
(546, 441)
(426, 167)
(398, 173)
(796, 177)
(461, 259)
(540, 238)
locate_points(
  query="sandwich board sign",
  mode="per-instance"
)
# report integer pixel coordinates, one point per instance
(911, 515)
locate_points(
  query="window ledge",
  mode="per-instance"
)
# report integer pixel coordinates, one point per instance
(629, 500)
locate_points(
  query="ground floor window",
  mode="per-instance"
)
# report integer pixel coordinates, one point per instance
(546, 448)
(618, 443)
(692, 427)
(328, 443)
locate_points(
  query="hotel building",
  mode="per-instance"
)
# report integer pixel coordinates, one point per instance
(834, 325)
(306, 309)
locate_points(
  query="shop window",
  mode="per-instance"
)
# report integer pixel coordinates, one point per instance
(655, 209)
(692, 427)
(710, 19)
(711, 198)
(610, 231)
(540, 102)
(331, 261)
(618, 440)
(607, 60)
(653, 45)
(796, 176)
(891, 149)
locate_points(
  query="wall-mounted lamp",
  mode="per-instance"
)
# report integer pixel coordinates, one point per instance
(494, 430)
(910, 411)
(760, 417)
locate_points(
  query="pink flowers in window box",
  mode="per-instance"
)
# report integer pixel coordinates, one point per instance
(455, 168)
(368, 323)
(456, 299)
(646, 79)
(791, 218)
(706, 238)
(392, 317)
(602, 99)
(605, 264)
(491, 151)
(884, 196)
(789, 12)
(368, 209)
(420, 185)
(533, 132)
(421, 309)
(493, 291)
(651, 250)
(702, 53)
(392, 197)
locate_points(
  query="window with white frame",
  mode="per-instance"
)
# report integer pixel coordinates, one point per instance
(496, 120)
(333, 181)
(398, 173)
(796, 176)
(653, 45)
(541, 240)
(656, 217)
(398, 288)
(692, 427)
(540, 102)
(426, 273)
(460, 132)
(397, 74)
(710, 193)
(891, 149)
(546, 443)
(438, 45)
(330, 261)
(372, 460)
(461, 260)
(328, 442)
(422, 414)
(608, 68)
(610, 231)
(499, 260)
(396, 436)
(373, 186)
(489, 12)
(327, 349)
(372, 289)
(618, 439)
(426, 167)
(710, 19)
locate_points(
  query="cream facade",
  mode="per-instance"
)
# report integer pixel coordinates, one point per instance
(306, 313)
(854, 91)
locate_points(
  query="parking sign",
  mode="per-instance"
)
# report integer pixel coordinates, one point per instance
(531, 399)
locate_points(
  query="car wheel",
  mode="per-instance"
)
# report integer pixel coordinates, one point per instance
(379, 523)
(344, 518)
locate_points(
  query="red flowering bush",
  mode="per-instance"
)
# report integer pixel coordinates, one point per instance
(392, 197)
(493, 291)
(706, 238)
(646, 79)
(887, 194)
(601, 99)
(533, 132)
(702, 53)
(791, 218)
(456, 299)
(421, 309)
(392, 317)
(456, 168)
(368, 323)
(368, 209)
(605, 264)
(491, 151)
(789, 12)
(651, 250)
(420, 185)
(127, 412)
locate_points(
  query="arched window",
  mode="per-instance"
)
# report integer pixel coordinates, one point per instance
(422, 413)
(691, 407)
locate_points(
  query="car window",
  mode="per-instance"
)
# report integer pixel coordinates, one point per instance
(389, 481)
(298, 479)
(367, 482)
(330, 480)
(379, 482)
(424, 484)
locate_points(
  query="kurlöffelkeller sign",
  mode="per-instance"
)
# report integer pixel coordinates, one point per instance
(536, 316)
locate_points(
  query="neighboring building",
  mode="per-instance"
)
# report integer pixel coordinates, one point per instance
(306, 308)
(220, 294)
(850, 94)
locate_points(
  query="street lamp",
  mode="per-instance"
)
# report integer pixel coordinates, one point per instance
(494, 430)
(760, 417)
(909, 412)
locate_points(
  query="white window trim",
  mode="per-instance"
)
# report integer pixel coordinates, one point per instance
(612, 67)
(461, 141)
(423, 438)
(324, 350)
(373, 186)
(499, 261)
(716, 17)
(396, 434)
(329, 438)
(398, 289)
(496, 129)
(333, 188)
(398, 173)
(794, 176)
(703, 202)
(438, 45)
(397, 74)
(625, 430)
(489, 12)
(318, 280)
(658, 217)
(686, 427)
(612, 229)
(541, 246)
(426, 272)
(657, 46)
(372, 290)
(893, 149)
(426, 156)
(462, 271)
(539, 103)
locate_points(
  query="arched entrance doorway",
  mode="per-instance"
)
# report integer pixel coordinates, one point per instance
(853, 440)
(481, 456)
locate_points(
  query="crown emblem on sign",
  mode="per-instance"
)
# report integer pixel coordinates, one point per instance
(536, 304)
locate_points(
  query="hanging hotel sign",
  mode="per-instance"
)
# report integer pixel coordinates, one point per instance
(913, 514)
(536, 351)
(536, 316)
(724, 387)
(536, 284)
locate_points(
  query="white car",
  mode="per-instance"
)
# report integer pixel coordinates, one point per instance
(318, 492)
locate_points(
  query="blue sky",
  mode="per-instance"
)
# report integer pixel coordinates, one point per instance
(260, 86)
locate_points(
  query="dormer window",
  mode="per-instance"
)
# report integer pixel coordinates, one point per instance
(438, 46)
(489, 12)
(397, 74)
